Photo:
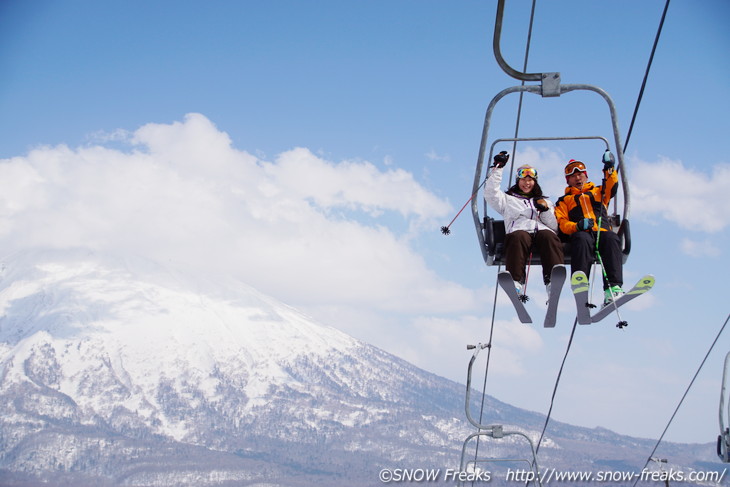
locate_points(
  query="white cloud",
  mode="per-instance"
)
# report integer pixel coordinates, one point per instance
(306, 230)
(352, 185)
(682, 195)
(700, 249)
(444, 341)
(432, 155)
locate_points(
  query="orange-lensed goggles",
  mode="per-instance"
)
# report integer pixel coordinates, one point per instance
(573, 167)
(524, 172)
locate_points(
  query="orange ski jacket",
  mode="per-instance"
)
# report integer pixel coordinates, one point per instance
(577, 204)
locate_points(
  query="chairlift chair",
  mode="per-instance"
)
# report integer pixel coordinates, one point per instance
(492, 230)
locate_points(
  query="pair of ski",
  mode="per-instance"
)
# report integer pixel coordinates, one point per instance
(580, 287)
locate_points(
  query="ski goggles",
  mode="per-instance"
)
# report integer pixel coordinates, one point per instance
(524, 172)
(573, 167)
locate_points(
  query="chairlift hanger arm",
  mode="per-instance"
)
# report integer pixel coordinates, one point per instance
(550, 81)
(498, 52)
(495, 431)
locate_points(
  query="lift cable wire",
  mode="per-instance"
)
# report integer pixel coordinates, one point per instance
(499, 268)
(646, 75)
(555, 388)
(651, 455)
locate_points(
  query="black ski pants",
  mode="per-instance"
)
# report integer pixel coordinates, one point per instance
(583, 253)
(517, 247)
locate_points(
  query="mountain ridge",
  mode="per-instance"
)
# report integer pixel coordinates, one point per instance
(116, 370)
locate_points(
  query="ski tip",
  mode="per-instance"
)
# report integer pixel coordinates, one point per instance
(648, 280)
(579, 276)
(579, 281)
(504, 275)
(644, 285)
(558, 270)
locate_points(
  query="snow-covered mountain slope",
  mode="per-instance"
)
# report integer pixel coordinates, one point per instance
(118, 371)
(95, 345)
(126, 328)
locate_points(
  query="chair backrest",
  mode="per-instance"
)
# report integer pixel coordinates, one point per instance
(494, 234)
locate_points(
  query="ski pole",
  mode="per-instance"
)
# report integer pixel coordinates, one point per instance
(524, 297)
(621, 323)
(445, 229)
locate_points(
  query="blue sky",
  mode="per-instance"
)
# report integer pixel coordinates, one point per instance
(314, 149)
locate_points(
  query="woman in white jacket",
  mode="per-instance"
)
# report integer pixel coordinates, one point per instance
(529, 220)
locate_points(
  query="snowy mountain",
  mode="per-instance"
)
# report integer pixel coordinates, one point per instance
(118, 371)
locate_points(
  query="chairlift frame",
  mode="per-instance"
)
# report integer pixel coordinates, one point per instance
(489, 234)
(494, 431)
(488, 229)
(550, 86)
(723, 439)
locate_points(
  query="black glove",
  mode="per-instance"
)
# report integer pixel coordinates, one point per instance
(540, 206)
(585, 224)
(608, 160)
(501, 159)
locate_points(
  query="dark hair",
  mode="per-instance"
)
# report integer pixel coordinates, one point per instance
(535, 193)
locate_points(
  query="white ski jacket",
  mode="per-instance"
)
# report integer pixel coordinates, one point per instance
(519, 213)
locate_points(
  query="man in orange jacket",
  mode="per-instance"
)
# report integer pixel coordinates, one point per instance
(578, 212)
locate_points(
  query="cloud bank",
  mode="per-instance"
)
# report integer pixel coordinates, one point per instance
(669, 190)
(299, 227)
